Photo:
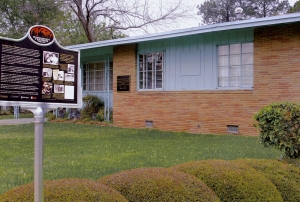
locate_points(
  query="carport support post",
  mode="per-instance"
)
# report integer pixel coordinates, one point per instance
(38, 154)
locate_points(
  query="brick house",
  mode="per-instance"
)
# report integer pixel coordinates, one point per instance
(209, 79)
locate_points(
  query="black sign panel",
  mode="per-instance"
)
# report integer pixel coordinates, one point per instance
(123, 83)
(38, 70)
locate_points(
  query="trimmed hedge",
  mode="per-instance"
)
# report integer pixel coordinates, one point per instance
(233, 181)
(206, 180)
(67, 190)
(284, 176)
(159, 184)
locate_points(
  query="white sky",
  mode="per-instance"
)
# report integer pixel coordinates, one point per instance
(182, 24)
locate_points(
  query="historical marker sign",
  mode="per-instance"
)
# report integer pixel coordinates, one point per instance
(123, 83)
(36, 71)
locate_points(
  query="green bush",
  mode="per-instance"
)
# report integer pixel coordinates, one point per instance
(5, 112)
(232, 181)
(284, 176)
(67, 190)
(279, 126)
(50, 116)
(159, 184)
(92, 105)
(100, 115)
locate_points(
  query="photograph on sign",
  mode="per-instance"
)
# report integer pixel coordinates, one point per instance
(71, 68)
(51, 58)
(47, 72)
(37, 70)
(47, 88)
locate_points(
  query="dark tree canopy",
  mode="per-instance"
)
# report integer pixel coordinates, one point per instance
(218, 11)
(18, 15)
(295, 8)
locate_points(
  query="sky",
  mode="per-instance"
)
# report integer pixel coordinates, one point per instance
(182, 24)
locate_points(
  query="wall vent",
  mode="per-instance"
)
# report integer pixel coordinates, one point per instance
(232, 129)
(149, 124)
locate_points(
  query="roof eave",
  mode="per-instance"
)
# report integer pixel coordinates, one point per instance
(288, 18)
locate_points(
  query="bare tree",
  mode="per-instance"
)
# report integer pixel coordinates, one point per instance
(126, 14)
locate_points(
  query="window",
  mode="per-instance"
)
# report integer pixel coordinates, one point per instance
(235, 64)
(151, 68)
(94, 77)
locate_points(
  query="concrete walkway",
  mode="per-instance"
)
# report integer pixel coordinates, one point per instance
(17, 121)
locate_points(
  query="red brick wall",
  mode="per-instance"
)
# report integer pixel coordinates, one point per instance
(276, 78)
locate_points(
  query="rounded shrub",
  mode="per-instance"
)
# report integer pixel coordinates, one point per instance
(232, 181)
(284, 176)
(159, 184)
(67, 190)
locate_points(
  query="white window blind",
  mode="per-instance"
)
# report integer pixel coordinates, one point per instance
(235, 64)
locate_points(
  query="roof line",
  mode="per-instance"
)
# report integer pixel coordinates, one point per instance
(287, 18)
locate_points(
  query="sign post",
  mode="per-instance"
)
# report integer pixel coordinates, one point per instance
(38, 155)
(38, 74)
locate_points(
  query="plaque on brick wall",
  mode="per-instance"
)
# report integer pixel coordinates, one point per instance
(123, 83)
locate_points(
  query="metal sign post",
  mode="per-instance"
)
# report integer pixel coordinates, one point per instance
(39, 117)
(38, 154)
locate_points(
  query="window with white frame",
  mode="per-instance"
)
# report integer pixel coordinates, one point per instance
(151, 67)
(94, 76)
(235, 63)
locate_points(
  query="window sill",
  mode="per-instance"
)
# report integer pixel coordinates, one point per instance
(203, 91)
(150, 90)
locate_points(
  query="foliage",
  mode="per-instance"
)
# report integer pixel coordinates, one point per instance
(68, 190)
(267, 8)
(92, 105)
(218, 11)
(100, 114)
(159, 184)
(5, 112)
(50, 116)
(284, 176)
(232, 181)
(295, 8)
(18, 15)
(279, 126)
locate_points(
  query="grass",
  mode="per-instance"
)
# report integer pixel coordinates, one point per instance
(29, 115)
(90, 151)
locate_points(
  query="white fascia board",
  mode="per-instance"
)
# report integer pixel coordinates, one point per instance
(288, 18)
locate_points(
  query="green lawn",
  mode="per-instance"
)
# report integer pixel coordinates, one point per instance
(29, 115)
(89, 151)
